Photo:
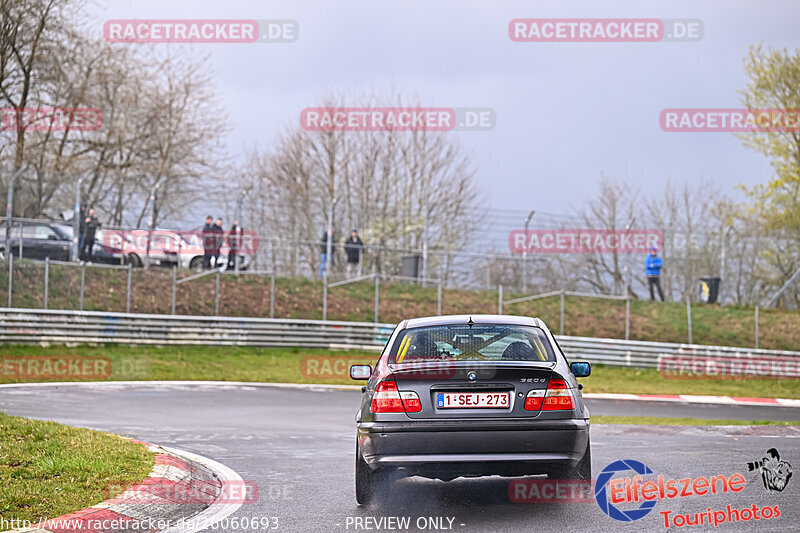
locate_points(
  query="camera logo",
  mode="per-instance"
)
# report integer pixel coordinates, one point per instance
(601, 494)
(774, 473)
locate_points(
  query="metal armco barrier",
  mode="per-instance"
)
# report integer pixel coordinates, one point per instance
(38, 326)
(43, 327)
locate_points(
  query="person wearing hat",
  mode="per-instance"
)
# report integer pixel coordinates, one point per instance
(352, 248)
(652, 266)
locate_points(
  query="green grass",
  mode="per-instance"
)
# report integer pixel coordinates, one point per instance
(301, 365)
(47, 469)
(248, 296)
(657, 421)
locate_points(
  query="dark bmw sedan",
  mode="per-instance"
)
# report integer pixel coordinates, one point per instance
(476, 395)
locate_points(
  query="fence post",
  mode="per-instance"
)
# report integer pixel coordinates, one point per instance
(128, 292)
(628, 317)
(325, 296)
(216, 297)
(689, 318)
(272, 295)
(500, 299)
(20, 240)
(439, 299)
(46, 279)
(377, 296)
(756, 327)
(174, 286)
(562, 311)
(83, 281)
(10, 276)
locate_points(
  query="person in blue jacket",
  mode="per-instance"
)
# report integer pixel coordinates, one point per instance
(652, 265)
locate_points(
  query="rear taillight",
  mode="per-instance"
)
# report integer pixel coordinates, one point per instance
(558, 396)
(387, 399)
(533, 402)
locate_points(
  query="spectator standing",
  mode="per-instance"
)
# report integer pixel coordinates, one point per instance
(219, 239)
(91, 224)
(234, 243)
(353, 248)
(208, 242)
(323, 248)
(653, 265)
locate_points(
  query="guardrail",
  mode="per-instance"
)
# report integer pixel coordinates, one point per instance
(44, 327)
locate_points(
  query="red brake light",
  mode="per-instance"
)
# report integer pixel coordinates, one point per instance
(558, 396)
(387, 399)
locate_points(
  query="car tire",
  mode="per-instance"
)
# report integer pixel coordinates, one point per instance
(370, 484)
(135, 261)
(582, 470)
(196, 263)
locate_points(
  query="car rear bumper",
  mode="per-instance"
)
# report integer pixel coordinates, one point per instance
(466, 448)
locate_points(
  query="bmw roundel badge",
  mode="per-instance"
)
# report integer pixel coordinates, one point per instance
(471, 375)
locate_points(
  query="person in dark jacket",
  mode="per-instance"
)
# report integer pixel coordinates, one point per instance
(234, 242)
(208, 242)
(323, 252)
(91, 223)
(652, 265)
(219, 239)
(353, 248)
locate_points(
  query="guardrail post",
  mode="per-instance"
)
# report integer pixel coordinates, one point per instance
(272, 295)
(377, 296)
(689, 318)
(439, 299)
(563, 294)
(174, 286)
(627, 318)
(83, 281)
(128, 291)
(500, 299)
(216, 297)
(756, 327)
(10, 276)
(46, 279)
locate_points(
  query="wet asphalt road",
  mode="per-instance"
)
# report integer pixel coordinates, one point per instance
(298, 445)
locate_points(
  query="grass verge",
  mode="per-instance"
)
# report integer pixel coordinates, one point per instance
(302, 298)
(48, 469)
(301, 365)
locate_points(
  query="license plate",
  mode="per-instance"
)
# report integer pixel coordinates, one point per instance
(472, 400)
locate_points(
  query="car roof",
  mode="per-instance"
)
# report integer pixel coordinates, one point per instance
(447, 320)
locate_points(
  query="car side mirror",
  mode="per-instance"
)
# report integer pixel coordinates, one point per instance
(360, 371)
(52, 237)
(581, 369)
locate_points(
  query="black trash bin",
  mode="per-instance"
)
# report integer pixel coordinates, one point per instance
(709, 290)
(410, 265)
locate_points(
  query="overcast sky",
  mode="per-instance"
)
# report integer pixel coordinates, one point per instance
(566, 112)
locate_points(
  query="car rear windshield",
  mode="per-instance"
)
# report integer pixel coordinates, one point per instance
(481, 342)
